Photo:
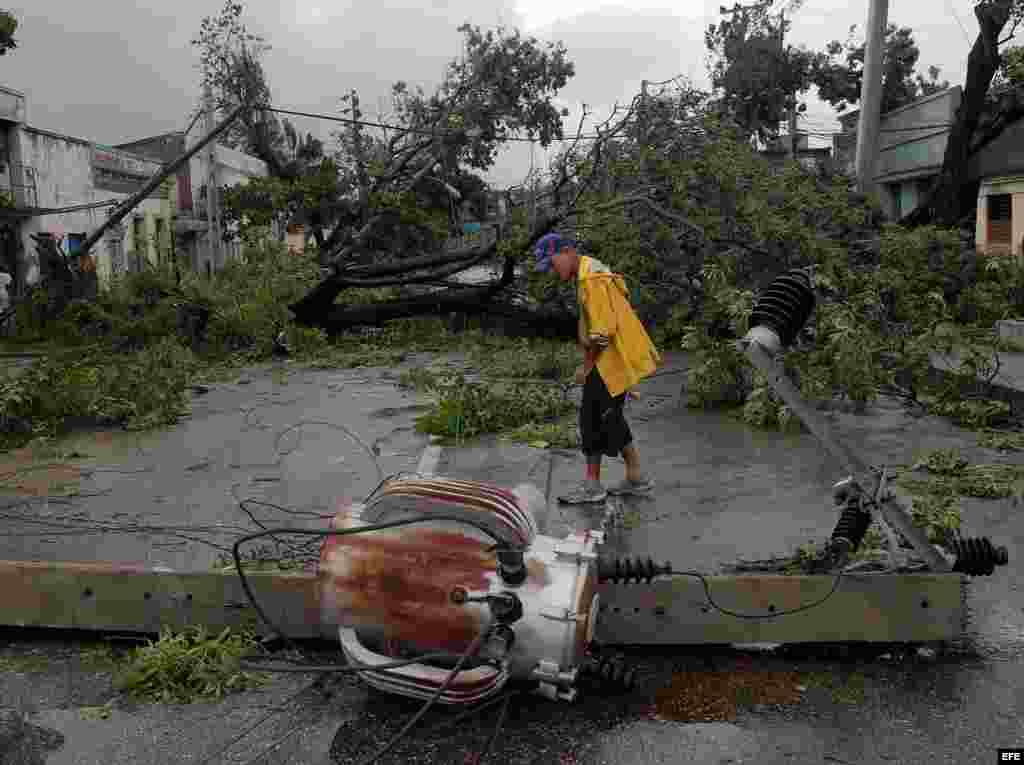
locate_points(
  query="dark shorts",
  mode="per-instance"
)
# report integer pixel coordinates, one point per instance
(603, 427)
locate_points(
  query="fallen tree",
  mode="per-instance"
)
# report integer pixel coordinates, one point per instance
(578, 168)
(383, 207)
(465, 301)
(700, 222)
(393, 186)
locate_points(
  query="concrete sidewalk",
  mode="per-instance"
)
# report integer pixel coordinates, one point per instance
(1007, 385)
(1011, 367)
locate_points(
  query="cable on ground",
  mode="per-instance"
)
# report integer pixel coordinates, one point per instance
(471, 651)
(323, 534)
(772, 615)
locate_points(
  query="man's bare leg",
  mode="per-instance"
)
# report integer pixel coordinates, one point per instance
(636, 482)
(632, 459)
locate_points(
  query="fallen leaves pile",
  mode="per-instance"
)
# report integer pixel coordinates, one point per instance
(706, 696)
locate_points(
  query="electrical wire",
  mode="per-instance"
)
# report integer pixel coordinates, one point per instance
(932, 126)
(959, 23)
(473, 711)
(254, 663)
(76, 208)
(474, 647)
(401, 128)
(503, 698)
(327, 424)
(274, 745)
(275, 710)
(323, 534)
(471, 651)
(773, 615)
(482, 755)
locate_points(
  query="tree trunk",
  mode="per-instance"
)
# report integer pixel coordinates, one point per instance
(945, 205)
(470, 301)
(321, 298)
(338, 318)
(514, 320)
(318, 237)
(315, 308)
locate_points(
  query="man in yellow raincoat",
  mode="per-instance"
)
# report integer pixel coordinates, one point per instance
(618, 354)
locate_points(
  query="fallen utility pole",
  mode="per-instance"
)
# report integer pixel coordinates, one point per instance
(539, 602)
(153, 183)
(124, 598)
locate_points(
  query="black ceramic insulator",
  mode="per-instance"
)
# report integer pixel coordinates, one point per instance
(851, 528)
(506, 608)
(625, 570)
(612, 674)
(785, 306)
(977, 556)
(511, 567)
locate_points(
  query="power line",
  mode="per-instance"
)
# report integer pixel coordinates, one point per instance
(76, 208)
(915, 128)
(952, 10)
(388, 126)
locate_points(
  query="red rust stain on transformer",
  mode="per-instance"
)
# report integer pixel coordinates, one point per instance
(402, 583)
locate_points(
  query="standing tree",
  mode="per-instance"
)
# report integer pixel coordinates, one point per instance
(231, 70)
(759, 77)
(983, 114)
(838, 76)
(303, 183)
(1011, 73)
(8, 26)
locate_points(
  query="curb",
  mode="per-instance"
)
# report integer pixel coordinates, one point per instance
(430, 458)
(998, 391)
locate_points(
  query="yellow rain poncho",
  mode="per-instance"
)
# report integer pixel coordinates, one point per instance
(605, 310)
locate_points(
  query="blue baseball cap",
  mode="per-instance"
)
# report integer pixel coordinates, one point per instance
(547, 247)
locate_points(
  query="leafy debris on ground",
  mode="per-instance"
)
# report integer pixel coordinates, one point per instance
(1002, 440)
(191, 665)
(935, 485)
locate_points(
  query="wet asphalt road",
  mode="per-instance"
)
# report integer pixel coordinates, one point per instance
(724, 491)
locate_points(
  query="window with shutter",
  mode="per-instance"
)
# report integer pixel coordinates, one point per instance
(1000, 219)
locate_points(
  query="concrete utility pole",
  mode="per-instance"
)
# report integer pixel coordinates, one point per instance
(644, 125)
(868, 124)
(793, 137)
(357, 148)
(790, 97)
(153, 183)
(212, 207)
(791, 144)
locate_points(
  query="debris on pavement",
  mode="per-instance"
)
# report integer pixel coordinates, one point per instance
(715, 696)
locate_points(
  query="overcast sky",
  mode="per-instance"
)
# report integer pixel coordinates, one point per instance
(113, 71)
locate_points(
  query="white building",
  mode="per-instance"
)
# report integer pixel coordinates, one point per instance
(214, 167)
(65, 186)
(911, 153)
(911, 148)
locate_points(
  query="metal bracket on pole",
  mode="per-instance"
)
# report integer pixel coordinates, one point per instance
(760, 346)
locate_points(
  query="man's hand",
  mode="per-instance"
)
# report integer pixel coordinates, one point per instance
(597, 342)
